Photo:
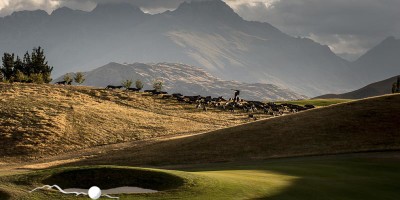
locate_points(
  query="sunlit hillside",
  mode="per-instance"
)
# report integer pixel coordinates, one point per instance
(40, 120)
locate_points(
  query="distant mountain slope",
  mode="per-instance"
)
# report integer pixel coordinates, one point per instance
(380, 62)
(358, 126)
(185, 79)
(206, 33)
(374, 89)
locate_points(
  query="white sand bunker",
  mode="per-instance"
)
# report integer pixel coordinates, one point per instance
(118, 190)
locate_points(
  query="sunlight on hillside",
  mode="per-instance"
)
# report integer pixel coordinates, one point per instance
(44, 120)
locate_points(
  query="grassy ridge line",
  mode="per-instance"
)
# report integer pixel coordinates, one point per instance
(317, 102)
(41, 120)
(358, 126)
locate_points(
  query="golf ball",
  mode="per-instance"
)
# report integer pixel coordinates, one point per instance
(94, 192)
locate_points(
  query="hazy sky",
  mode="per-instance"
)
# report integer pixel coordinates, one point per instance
(349, 27)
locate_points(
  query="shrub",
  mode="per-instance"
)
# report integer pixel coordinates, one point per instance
(158, 85)
(47, 77)
(79, 78)
(127, 83)
(36, 78)
(20, 77)
(139, 85)
(67, 78)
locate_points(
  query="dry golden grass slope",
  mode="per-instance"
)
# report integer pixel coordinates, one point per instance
(367, 125)
(41, 120)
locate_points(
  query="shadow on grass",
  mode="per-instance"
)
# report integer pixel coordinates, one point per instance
(107, 178)
(4, 195)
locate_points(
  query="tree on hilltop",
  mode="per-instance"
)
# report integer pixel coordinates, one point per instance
(40, 65)
(79, 78)
(127, 83)
(19, 66)
(139, 85)
(20, 77)
(27, 62)
(8, 66)
(32, 68)
(1, 76)
(158, 85)
(67, 78)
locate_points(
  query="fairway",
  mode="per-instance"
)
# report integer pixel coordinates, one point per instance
(330, 177)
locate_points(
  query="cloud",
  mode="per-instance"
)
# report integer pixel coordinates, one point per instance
(347, 26)
(235, 4)
(8, 6)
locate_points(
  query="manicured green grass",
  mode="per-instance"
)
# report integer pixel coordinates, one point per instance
(317, 102)
(316, 179)
(332, 177)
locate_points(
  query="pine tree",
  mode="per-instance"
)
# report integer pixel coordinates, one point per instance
(19, 65)
(40, 65)
(398, 84)
(1, 76)
(33, 68)
(27, 62)
(394, 88)
(8, 66)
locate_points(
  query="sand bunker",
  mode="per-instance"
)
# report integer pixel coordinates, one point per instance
(118, 190)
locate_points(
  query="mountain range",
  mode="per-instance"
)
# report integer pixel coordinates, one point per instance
(206, 33)
(184, 79)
